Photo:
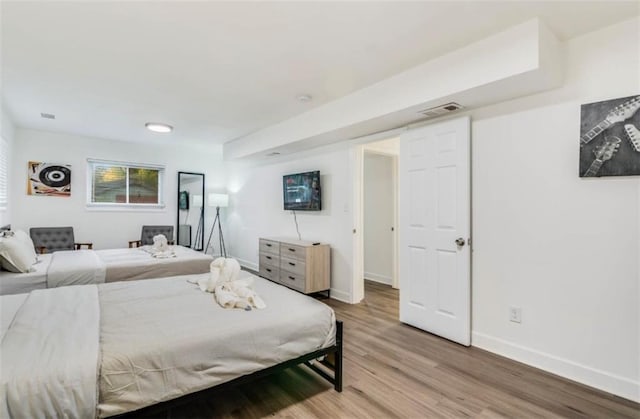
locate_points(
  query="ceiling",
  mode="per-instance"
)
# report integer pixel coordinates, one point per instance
(220, 70)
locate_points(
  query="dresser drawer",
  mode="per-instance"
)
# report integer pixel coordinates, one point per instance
(292, 280)
(295, 266)
(269, 259)
(270, 272)
(269, 246)
(293, 251)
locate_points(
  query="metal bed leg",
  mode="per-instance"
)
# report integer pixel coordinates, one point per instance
(337, 385)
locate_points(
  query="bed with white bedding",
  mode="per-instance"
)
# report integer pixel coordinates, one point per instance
(139, 343)
(81, 267)
(18, 283)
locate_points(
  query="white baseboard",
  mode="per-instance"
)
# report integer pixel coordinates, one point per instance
(382, 279)
(246, 264)
(345, 297)
(611, 383)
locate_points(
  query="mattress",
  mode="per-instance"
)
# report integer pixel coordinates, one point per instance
(136, 263)
(78, 267)
(18, 283)
(159, 340)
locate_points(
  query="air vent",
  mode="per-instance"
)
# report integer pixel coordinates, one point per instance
(441, 110)
(47, 115)
(273, 153)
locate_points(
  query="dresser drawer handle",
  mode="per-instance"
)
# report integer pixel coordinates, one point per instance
(292, 250)
(292, 264)
(292, 278)
(268, 244)
(267, 269)
(268, 257)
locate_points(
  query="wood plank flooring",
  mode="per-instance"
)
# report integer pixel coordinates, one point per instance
(396, 371)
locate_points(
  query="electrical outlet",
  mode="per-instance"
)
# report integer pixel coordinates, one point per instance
(515, 314)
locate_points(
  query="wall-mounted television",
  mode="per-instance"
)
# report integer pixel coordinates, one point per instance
(301, 191)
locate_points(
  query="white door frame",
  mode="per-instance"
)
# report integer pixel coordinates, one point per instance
(357, 158)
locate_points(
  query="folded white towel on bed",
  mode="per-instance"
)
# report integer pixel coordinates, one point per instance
(160, 248)
(230, 291)
(221, 270)
(238, 294)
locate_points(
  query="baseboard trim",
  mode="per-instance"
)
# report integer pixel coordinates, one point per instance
(382, 279)
(602, 380)
(345, 297)
(247, 264)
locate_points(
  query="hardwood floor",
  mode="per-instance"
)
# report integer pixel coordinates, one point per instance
(395, 371)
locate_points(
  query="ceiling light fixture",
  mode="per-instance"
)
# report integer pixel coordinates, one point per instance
(158, 127)
(304, 98)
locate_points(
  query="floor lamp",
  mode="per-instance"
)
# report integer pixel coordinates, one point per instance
(218, 200)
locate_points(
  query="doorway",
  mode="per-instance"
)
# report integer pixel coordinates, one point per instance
(379, 215)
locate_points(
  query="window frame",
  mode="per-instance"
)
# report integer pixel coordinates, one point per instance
(127, 206)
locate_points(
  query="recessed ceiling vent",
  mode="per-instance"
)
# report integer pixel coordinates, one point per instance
(47, 115)
(441, 110)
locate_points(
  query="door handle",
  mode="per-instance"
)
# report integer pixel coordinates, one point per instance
(460, 241)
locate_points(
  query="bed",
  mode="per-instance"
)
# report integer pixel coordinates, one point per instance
(80, 267)
(108, 349)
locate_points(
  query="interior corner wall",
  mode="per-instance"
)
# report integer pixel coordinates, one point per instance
(562, 248)
(256, 210)
(106, 229)
(7, 132)
(378, 202)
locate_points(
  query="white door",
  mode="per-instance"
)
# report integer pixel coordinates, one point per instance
(434, 202)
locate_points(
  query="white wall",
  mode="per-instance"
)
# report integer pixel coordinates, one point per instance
(255, 210)
(106, 229)
(378, 203)
(562, 248)
(7, 131)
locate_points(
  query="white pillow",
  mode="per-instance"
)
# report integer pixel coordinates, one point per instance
(16, 255)
(24, 238)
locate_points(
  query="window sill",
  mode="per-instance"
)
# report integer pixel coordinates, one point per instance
(125, 208)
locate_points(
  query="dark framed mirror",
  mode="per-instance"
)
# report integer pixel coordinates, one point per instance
(190, 224)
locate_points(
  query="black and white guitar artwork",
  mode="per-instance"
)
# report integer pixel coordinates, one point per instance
(610, 138)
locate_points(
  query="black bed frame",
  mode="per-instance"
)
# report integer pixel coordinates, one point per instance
(334, 352)
(330, 358)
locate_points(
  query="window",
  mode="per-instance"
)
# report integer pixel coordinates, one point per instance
(4, 174)
(117, 184)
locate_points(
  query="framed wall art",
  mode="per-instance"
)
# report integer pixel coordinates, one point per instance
(610, 138)
(48, 179)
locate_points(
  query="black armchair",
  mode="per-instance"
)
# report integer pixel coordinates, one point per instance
(52, 239)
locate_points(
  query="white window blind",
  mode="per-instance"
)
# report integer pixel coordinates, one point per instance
(120, 184)
(4, 174)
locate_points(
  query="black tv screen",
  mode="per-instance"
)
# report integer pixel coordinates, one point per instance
(302, 191)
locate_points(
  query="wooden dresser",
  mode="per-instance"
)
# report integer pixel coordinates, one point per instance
(297, 264)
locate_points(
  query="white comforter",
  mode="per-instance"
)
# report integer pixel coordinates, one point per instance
(141, 342)
(75, 267)
(49, 355)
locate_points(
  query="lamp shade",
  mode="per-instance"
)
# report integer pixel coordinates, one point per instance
(218, 200)
(197, 201)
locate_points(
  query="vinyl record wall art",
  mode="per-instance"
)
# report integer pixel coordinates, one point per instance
(610, 138)
(48, 179)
